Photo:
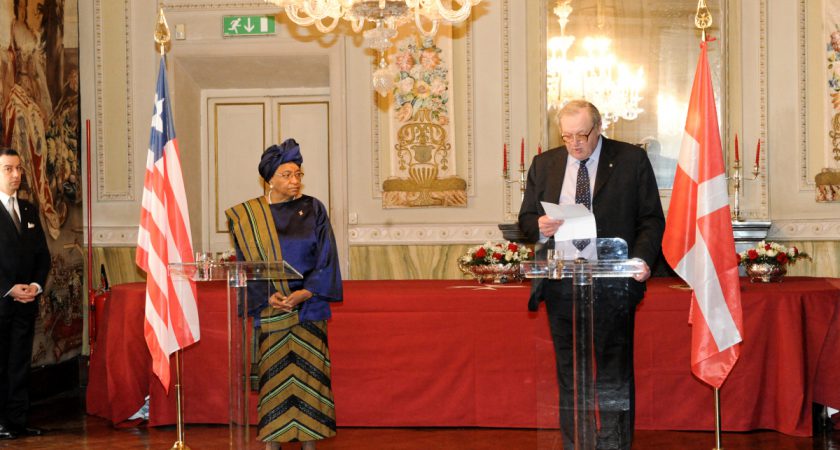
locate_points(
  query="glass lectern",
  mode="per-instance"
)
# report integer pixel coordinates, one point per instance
(612, 262)
(239, 276)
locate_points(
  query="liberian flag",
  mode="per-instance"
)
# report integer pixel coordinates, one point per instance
(698, 241)
(163, 238)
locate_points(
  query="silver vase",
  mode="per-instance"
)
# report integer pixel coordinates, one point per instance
(493, 273)
(765, 272)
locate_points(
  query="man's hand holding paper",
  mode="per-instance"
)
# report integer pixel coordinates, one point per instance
(548, 226)
(576, 222)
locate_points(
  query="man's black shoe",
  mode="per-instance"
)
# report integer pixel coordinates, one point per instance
(29, 431)
(5, 433)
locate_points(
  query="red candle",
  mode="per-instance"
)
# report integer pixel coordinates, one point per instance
(757, 151)
(539, 149)
(737, 158)
(504, 160)
(522, 153)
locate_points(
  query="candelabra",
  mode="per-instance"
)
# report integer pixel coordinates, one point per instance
(521, 180)
(511, 231)
(737, 178)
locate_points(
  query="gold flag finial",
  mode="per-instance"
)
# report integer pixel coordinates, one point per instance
(703, 18)
(161, 32)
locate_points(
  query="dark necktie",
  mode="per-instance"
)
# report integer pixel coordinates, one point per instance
(583, 197)
(14, 213)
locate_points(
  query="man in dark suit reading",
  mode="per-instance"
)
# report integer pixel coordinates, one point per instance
(24, 265)
(616, 182)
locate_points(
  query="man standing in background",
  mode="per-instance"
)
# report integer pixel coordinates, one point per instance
(24, 265)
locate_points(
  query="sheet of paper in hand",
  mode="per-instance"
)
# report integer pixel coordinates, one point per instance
(578, 222)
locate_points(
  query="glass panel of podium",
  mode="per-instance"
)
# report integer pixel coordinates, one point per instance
(612, 263)
(239, 275)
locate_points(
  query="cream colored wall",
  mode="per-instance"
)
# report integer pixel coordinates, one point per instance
(188, 127)
(405, 262)
(766, 98)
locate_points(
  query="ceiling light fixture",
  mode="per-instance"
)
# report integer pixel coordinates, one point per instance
(386, 15)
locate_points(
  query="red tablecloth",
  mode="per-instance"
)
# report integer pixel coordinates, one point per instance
(453, 353)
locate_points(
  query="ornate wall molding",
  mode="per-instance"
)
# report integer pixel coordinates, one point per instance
(756, 209)
(805, 230)
(115, 236)
(543, 64)
(471, 171)
(193, 5)
(375, 131)
(423, 234)
(509, 213)
(101, 151)
(763, 210)
(806, 183)
(760, 211)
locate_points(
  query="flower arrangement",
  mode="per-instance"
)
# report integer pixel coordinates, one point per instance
(771, 253)
(496, 253)
(494, 262)
(421, 81)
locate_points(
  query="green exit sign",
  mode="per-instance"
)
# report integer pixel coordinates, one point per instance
(247, 25)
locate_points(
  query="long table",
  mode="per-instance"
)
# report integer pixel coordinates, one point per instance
(435, 353)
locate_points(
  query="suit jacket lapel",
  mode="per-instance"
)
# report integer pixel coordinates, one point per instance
(606, 165)
(7, 219)
(25, 215)
(556, 172)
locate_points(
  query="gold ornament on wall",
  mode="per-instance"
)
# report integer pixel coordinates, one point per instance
(423, 150)
(828, 180)
(423, 172)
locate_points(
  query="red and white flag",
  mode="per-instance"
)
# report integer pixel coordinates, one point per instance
(698, 241)
(164, 238)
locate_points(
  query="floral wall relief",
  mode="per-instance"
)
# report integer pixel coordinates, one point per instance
(828, 180)
(423, 164)
(422, 81)
(833, 57)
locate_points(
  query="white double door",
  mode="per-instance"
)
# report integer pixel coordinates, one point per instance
(239, 129)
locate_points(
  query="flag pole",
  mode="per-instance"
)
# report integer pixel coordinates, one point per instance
(717, 420)
(180, 444)
(703, 20)
(162, 38)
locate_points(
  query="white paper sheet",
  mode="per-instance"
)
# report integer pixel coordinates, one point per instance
(578, 222)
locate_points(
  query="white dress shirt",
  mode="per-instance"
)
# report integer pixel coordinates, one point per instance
(4, 198)
(567, 197)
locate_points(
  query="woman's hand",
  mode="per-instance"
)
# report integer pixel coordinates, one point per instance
(287, 303)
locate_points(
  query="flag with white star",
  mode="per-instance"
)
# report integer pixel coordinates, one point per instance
(164, 238)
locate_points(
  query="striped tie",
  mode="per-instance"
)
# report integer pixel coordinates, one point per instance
(14, 213)
(583, 197)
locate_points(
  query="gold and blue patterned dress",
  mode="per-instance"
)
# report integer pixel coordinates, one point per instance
(296, 400)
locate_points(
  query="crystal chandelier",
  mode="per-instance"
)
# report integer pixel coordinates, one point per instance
(597, 77)
(385, 15)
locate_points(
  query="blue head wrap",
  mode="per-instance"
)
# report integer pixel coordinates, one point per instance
(276, 155)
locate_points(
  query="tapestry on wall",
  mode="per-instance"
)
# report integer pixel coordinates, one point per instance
(828, 181)
(422, 170)
(39, 117)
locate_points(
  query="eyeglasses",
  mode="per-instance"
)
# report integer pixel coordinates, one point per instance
(287, 175)
(577, 138)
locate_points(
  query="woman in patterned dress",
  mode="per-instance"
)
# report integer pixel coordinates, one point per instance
(296, 400)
